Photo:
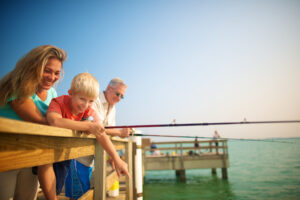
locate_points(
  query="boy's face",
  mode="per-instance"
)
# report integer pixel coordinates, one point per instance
(80, 102)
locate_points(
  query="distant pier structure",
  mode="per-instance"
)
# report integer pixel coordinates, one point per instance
(183, 155)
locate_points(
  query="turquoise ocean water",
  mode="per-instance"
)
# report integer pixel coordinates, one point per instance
(258, 170)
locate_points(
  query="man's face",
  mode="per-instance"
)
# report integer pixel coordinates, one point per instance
(115, 94)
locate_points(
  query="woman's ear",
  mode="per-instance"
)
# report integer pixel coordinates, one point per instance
(70, 92)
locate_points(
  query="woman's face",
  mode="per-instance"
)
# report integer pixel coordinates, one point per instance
(51, 73)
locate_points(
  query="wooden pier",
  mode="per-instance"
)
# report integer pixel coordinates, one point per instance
(24, 144)
(183, 155)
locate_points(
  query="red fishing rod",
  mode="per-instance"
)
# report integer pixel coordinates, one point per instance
(204, 124)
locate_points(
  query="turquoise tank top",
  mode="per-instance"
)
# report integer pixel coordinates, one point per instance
(8, 112)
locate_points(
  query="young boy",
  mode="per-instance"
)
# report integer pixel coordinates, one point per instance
(67, 111)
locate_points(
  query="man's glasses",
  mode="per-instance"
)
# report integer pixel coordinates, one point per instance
(119, 95)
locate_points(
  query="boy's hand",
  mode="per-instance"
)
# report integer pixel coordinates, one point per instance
(121, 167)
(95, 128)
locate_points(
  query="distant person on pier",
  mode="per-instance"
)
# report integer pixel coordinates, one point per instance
(26, 92)
(154, 151)
(106, 112)
(196, 145)
(216, 137)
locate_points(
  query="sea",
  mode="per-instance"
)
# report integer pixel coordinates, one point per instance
(258, 170)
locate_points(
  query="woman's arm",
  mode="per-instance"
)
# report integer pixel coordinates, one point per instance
(28, 111)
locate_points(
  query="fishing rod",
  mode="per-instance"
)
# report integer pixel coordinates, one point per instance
(204, 124)
(194, 137)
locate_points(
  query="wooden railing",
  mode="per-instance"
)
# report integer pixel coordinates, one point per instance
(182, 147)
(24, 144)
(182, 155)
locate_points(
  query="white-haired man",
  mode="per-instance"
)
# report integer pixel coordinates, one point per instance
(105, 106)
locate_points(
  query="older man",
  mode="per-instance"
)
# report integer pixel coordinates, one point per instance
(105, 106)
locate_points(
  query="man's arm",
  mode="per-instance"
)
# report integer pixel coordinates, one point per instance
(125, 132)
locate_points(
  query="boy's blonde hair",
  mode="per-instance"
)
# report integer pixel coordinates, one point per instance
(86, 84)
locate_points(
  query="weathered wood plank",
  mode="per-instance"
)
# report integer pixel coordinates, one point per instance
(189, 142)
(89, 195)
(100, 173)
(189, 162)
(111, 179)
(19, 151)
(129, 181)
(188, 148)
(27, 128)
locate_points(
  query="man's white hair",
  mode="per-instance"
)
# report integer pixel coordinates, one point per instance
(116, 81)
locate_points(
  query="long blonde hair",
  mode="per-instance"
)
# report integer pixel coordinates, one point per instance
(24, 79)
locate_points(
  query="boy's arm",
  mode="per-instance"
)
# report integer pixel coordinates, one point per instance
(55, 119)
(120, 165)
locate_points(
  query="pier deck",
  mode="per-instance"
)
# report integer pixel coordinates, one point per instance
(182, 155)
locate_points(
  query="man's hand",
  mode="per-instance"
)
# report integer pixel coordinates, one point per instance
(125, 132)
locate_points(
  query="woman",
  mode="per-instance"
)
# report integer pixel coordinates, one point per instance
(26, 92)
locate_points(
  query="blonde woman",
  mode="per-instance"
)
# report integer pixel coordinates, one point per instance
(26, 93)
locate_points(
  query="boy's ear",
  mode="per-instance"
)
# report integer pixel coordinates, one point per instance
(70, 92)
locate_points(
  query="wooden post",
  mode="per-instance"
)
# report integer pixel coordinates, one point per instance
(144, 163)
(100, 173)
(224, 173)
(181, 174)
(213, 171)
(133, 176)
(129, 182)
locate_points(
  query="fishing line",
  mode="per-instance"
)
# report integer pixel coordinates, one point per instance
(194, 137)
(204, 124)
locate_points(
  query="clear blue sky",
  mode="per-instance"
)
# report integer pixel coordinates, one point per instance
(193, 61)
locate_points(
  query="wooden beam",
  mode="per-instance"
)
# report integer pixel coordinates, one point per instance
(20, 151)
(100, 173)
(89, 195)
(129, 182)
(111, 179)
(188, 141)
(186, 148)
(20, 127)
